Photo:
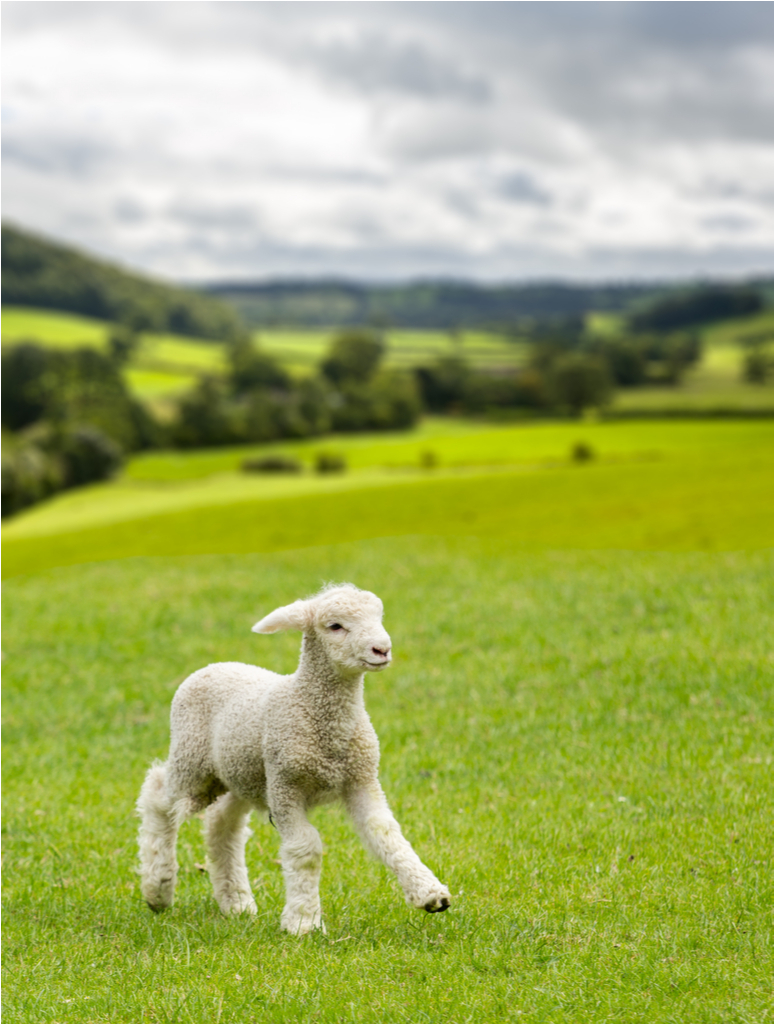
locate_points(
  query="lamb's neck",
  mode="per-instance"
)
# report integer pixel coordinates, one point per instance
(333, 698)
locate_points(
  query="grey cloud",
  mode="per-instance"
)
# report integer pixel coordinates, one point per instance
(421, 134)
(731, 223)
(521, 188)
(376, 63)
(128, 211)
(204, 215)
(48, 153)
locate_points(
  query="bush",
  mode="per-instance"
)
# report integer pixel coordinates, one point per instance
(329, 462)
(48, 459)
(582, 452)
(757, 366)
(271, 464)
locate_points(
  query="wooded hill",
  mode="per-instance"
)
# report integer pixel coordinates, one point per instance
(40, 273)
(421, 304)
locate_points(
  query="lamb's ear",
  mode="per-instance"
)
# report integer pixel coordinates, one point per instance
(292, 616)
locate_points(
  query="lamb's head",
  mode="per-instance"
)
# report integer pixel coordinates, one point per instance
(347, 621)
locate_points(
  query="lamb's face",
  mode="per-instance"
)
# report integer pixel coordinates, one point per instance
(346, 620)
(349, 623)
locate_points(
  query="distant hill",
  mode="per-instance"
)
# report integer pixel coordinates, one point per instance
(423, 304)
(40, 273)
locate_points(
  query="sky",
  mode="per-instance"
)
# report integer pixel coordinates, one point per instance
(388, 141)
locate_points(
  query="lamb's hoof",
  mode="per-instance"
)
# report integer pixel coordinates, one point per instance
(302, 925)
(236, 907)
(159, 896)
(435, 906)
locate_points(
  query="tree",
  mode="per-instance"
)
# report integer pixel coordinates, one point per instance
(353, 356)
(580, 381)
(251, 368)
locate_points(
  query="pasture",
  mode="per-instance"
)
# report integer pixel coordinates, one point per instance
(706, 484)
(576, 733)
(166, 365)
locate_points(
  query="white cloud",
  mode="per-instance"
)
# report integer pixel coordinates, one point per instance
(207, 140)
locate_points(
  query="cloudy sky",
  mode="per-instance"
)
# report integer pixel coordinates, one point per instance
(499, 141)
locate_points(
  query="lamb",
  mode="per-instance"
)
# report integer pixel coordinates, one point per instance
(244, 738)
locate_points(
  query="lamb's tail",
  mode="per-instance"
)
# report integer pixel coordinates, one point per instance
(158, 839)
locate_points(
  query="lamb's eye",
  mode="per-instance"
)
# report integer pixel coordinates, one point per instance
(335, 625)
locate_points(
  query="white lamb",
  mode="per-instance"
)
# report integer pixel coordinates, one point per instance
(244, 738)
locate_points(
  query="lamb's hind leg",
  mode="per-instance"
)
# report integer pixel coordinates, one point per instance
(161, 818)
(226, 833)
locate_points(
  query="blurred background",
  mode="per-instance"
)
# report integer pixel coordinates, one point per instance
(492, 141)
(251, 224)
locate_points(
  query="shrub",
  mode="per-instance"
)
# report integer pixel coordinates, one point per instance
(582, 452)
(271, 464)
(47, 459)
(757, 366)
(330, 462)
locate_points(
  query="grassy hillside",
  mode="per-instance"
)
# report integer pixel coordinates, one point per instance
(715, 382)
(165, 364)
(680, 486)
(44, 274)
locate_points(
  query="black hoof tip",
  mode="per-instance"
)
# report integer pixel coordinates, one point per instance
(436, 908)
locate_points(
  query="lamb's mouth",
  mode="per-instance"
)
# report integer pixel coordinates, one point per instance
(377, 664)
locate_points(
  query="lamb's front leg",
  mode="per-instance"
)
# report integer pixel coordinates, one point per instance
(301, 858)
(382, 836)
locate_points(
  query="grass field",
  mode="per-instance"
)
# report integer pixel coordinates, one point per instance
(576, 732)
(682, 485)
(579, 744)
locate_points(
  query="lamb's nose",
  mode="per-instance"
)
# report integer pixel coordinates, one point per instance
(383, 651)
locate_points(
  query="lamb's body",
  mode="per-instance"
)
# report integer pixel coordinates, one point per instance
(245, 738)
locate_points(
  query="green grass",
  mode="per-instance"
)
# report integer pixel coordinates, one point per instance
(164, 365)
(579, 744)
(302, 350)
(715, 383)
(677, 486)
(576, 732)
